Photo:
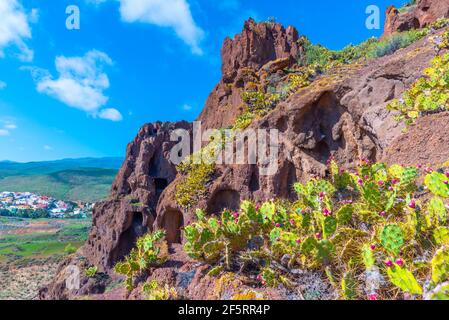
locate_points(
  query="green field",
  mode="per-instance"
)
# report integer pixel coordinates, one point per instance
(30, 251)
(25, 242)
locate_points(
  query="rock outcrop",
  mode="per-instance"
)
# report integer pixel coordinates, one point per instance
(243, 56)
(420, 15)
(130, 211)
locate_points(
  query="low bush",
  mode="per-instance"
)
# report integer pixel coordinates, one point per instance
(151, 250)
(428, 94)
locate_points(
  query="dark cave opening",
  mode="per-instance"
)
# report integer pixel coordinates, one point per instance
(172, 223)
(224, 199)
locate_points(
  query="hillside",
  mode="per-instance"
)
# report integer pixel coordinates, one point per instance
(352, 210)
(87, 179)
(8, 168)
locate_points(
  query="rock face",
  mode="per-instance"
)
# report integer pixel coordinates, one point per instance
(258, 44)
(341, 115)
(417, 16)
(129, 213)
(420, 145)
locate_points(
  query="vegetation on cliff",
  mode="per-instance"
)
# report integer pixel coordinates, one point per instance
(370, 231)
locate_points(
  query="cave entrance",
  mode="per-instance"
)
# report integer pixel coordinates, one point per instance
(172, 223)
(160, 184)
(224, 199)
(128, 238)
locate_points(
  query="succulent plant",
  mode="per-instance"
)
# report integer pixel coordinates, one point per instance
(404, 279)
(440, 265)
(436, 184)
(392, 238)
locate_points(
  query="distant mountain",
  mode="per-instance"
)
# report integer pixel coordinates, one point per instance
(85, 179)
(9, 168)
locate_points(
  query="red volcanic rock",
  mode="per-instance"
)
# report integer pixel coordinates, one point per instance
(243, 56)
(414, 17)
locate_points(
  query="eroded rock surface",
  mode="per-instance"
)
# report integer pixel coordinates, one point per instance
(420, 15)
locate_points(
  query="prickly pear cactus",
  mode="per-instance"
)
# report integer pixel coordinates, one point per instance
(436, 182)
(436, 211)
(392, 238)
(348, 286)
(344, 214)
(441, 236)
(404, 279)
(368, 257)
(440, 265)
(308, 245)
(441, 292)
(329, 226)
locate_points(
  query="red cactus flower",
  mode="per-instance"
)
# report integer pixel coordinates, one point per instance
(382, 214)
(298, 241)
(412, 204)
(327, 212)
(419, 166)
(372, 297)
(394, 181)
(278, 225)
(292, 222)
(373, 247)
(322, 194)
(446, 182)
(318, 235)
(236, 215)
(380, 183)
(390, 188)
(389, 263)
(429, 170)
(447, 174)
(400, 262)
(360, 182)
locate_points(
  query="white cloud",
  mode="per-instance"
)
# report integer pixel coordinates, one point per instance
(2, 85)
(14, 29)
(10, 126)
(110, 114)
(48, 148)
(80, 83)
(6, 126)
(186, 107)
(173, 14)
(34, 15)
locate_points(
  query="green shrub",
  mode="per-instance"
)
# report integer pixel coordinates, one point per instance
(91, 271)
(151, 250)
(70, 249)
(428, 94)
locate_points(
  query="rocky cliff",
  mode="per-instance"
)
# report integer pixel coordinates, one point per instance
(415, 16)
(341, 114)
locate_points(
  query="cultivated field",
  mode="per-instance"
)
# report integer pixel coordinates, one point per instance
(31, 249)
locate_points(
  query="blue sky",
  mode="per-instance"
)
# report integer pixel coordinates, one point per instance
(77, 93)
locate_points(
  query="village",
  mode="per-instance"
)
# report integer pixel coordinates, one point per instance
(31, 205)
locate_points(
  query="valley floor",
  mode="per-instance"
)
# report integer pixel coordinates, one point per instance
(30, 251)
